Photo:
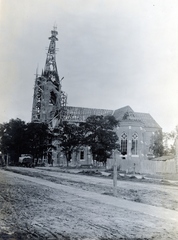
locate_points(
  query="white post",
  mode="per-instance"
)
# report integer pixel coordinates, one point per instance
(176, 149)
(115, 174)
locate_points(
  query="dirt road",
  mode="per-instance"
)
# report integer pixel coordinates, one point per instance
(159, 195)
(35, 208)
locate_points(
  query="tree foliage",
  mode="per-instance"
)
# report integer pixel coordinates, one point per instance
(100, 136)
(12, 138)
(97, 133)
(169, 141)
(157, 144)
(71, 138)
(39, 139)
(17, 137)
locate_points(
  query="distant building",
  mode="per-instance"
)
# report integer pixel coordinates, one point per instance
(49, 105)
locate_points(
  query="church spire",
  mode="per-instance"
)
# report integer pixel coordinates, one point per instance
(50, 69)
(48, 103)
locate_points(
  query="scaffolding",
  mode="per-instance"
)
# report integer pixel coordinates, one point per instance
(49, 101)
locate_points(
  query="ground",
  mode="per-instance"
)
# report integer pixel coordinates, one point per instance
(40, 204)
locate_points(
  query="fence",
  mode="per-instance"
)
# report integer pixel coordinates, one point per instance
(145, 166)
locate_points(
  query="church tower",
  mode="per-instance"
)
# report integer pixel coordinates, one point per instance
(49, 101)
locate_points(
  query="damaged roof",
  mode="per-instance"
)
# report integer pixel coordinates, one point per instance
(80, 114)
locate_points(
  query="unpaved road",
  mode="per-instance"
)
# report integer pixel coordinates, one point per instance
(159, 195)
(36, 208)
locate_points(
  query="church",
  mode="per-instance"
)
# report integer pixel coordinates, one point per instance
(50, 106)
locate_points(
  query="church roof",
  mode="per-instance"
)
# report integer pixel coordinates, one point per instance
(80, 114)
(147, 120)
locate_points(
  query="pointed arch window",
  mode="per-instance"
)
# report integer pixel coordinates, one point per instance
(124, 144)
(134, 148)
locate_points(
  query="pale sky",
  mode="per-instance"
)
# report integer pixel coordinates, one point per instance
(112, 53)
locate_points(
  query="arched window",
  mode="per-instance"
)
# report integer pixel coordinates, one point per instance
(134, 148)
(124, 144)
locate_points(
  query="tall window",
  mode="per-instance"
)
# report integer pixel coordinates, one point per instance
(81, 155)
(134, 148)
(124, 144)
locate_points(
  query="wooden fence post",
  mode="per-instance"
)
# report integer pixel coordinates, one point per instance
(115, 174)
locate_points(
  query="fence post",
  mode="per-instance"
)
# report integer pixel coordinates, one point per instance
(115, 174)
(176, 148)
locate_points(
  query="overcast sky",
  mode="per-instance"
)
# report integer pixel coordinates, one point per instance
(112, 53)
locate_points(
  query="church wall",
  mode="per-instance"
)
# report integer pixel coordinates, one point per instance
(139, 163)
(130, 160)
(134, 133)
(81, 157)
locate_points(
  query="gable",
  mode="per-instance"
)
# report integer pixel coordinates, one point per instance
(119, 113)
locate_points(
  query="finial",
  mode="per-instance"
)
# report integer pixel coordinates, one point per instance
(54, 32)
(37, 70)
(55, 26)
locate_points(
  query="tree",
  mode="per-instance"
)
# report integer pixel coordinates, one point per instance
(169, 141)
(71, 138)
(100, 136)
(12, 138)
(38, 140)
(17, 137)
(157, 144)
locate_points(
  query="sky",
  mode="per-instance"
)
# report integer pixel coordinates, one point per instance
(111, 53)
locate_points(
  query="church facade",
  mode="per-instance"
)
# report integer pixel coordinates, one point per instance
(135, 129)
(135, 132)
